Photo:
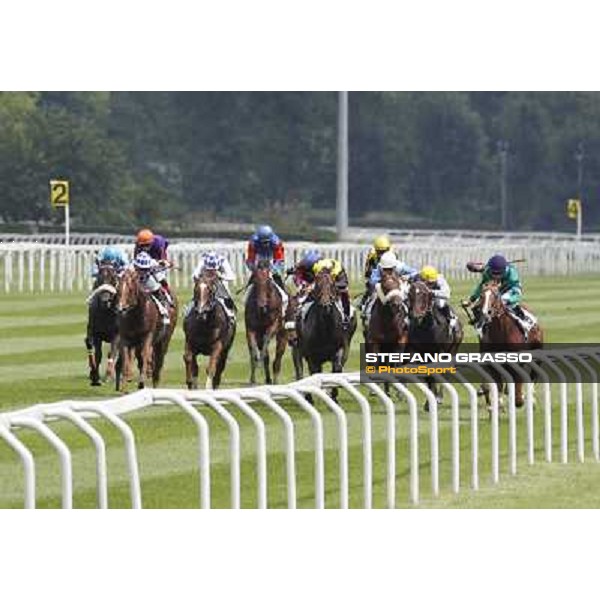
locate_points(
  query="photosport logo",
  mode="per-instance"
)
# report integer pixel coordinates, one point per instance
(476, 365)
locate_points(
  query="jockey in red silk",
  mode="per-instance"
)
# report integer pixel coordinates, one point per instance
(266, 245)
(156, 247)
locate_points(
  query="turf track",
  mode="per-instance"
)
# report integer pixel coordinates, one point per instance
(42, 359)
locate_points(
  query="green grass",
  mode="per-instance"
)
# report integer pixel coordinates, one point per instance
(42, 359)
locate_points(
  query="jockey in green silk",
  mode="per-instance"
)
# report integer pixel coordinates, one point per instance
(510, 285)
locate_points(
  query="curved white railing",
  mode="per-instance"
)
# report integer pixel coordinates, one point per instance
(29, 267)
(195, 404)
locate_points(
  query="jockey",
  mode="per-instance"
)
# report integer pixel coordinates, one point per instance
(156, 247)
(389, 260)
(388, 263)
(266, 245)
(111, 255)
(147, 269)
(499, 269)
(212, 261)
(340, 277)
(381, 244)
(302, 272)
(440, 289)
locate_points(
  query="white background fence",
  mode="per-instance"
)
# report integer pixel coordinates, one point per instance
(571, 368)
(30, 267)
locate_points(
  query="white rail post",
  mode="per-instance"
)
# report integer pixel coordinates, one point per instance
(317, 422)
(366, 433)
(135, 490)
(261, 440)
(342, 435)
(581, 355)
(27, 461)
(547, 407)
(234, 441)
(578, 403)
(290, 451)
(413, 411)
(390, 413)
(99, 446)
(199, 420)
(564, 430)
(63, 452)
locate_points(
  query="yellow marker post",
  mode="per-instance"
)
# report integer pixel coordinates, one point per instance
(574, 211)
(60, 197)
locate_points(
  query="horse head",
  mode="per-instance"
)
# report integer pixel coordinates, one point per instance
(130, 293)
(106, 286)
(205, 294)
(393, 293)
(263, 284)
(324, 291)
(490, 302)
(420, 300)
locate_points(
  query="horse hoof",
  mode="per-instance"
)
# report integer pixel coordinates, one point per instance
(426, 406)
(95, 383)
(140, 385)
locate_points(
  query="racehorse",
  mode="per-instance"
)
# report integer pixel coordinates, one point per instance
(429, 331)
(502, 333)
(386, 328)
(102, 322)
(141, 332)
(263, 315)
(321, 333)
(387, 323)
(208, 331)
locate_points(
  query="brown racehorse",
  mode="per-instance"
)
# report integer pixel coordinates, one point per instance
(263, 315)
(501, 333)
(208, 331)
(141, 332)
(387, 324)
(429, 332)
(102, 322)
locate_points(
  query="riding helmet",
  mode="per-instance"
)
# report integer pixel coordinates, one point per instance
(264, 233)
(388, 260)
(145, 236)
(497, 264)
(382, 243)
(429, 273)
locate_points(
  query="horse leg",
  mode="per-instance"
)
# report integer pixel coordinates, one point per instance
(213, 362)
(110, 361)
(266, 365)
(280, 344)
(219, 369)
(254, 354)
(519, 400)
(190, 360)
(158, 358)
(144, 361)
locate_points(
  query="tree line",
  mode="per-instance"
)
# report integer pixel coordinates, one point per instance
(417, 159)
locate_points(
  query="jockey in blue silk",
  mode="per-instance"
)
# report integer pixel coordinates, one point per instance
(111, 255)
(388, 262)
(391, 262)
(266, 245)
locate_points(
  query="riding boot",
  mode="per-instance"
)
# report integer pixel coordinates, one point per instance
(167, 292)
(345, 297)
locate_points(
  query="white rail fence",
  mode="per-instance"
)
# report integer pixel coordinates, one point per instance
(27, 267)
(570, 368)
